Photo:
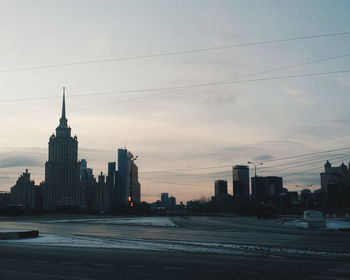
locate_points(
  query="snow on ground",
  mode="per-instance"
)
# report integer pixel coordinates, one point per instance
(174, 246)
(296, 223)
(133, 221)
(336, 224)
(330, 223)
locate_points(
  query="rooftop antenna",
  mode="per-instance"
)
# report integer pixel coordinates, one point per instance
(126, 142)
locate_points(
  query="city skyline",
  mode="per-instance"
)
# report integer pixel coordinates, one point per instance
(180, 130)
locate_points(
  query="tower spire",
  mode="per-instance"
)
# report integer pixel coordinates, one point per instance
(63, 119)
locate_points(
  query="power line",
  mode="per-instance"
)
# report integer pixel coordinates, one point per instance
(305, 164)
(306, 155)
(298, 161)
(305, 171)
(191, 51)
(215, 82)
(204, 85)
(271, 160)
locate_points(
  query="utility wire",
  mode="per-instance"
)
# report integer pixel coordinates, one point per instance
(298, 161)
(215, 82)
(191, 51)
(305, 164)
(306, 171)
(229, 172)
(306, 155)
(206, 85)
(231, 165)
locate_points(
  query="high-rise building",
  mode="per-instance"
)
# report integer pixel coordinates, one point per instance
(240, 176)
(164, 199)
(331, 174)
(86, 174)
(111, 174)
(25, 192)
(335, 186)
(102, 201)
(172, 202)
(266, 189)
(220, 187)
(127, 178)
(62, 170)
(135, 185)
(221, 200)
(112, 183)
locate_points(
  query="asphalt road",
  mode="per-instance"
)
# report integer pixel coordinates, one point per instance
(227, 230)
(52, 263)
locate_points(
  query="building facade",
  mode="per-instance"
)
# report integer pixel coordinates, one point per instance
(26, 193)
(127, 177)
(62, 186)
(266, 189)
(220, 187)
(335, 187)
(240, 177)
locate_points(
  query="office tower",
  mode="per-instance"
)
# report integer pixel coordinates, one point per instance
(240, 176)
(112, 183)
(62, 170)
(266, 189)
(101, 195)
(172, 202)
(86, 175)
(127, 178)
(136, 187)
(221, 201)
(111, 174)
(220, 187)
(164, 199)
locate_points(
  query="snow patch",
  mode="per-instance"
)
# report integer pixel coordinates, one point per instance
(175, 246)
(338, 224)
(134, 221)
(330, 223)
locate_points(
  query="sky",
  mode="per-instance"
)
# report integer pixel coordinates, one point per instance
(186, 136)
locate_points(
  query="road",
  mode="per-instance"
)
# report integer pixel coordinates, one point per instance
(26, 261)
(52, 263)
(228, 230)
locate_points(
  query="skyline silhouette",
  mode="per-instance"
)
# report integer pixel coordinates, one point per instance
(207, 87)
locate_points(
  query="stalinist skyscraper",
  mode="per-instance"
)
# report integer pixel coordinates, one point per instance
(62, 170)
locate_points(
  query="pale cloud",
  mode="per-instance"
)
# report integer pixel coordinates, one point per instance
(299, 97)
(293, 91)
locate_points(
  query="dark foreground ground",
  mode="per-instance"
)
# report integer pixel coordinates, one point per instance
(30, 262)
(26, 261)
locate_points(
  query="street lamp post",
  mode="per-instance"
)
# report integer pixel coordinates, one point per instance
(255, 165)
(130, 198)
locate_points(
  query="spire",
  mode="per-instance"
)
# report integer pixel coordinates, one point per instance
(63, 119)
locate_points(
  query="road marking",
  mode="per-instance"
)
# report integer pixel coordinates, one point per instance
(173, 268)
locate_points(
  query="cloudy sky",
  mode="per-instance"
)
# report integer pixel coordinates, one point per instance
(150, 104)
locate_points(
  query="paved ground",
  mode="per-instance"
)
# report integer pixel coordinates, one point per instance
(18, 261)
(51, 263)
(229, 230)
